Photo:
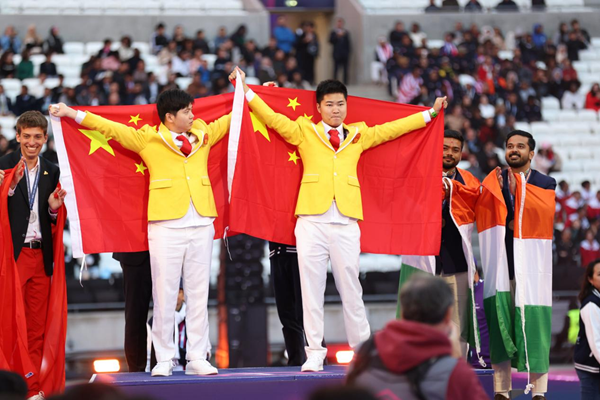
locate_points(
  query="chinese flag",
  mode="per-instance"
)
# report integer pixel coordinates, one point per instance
(108, 185)
(400, 180)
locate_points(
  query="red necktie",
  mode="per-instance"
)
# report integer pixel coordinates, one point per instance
(186, 147)
(334, 138)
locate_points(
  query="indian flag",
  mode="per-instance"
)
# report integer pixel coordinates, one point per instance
(462, 209)
(518, 313)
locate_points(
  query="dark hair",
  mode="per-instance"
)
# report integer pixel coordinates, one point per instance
(530, 140)
(451, 133)
(425, 299)
(12, 385)
(586, 286)
(32, 119)
(171, 101)
(330, 86)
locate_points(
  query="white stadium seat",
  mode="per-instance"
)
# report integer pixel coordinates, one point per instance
(569, 141)
(550, 115)
(538, 128)
(589, 55)
(523, 126)
(573, 166)
(142, 46)
(588, 115)
(11, 84)
(581, 66)
(550, 103)
(567, 115)
(581, 154)
(74, 48)
(92, 48)
(591, 140)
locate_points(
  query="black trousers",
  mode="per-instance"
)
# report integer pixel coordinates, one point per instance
(137, 281)
(288, 296)
(343, 64)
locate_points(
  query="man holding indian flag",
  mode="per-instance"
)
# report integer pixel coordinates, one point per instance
(515, 217)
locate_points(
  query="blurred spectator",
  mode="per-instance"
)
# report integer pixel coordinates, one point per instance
(297, 82)
(200, 42)
(7, 66)
(539, 37)
(32, 41)
(5, 103)
(53, 43)
(166, 54)
(159, 39)
(25, 67)
(410, 86)
(106, 50)
(593, 210)
(307, 50)
(180, 64)
(417, 36)
(572, 99)
(50, 154)
(24, 101)
(43, 103)
(48, 68)
(239, 36)
(179, 37)
(432, 8)
(284, 35)
(487, 110)
(449, 48)
(450, 6)
(507, 5)
(562, 191)
(581, 33)
(574, 45)
(455, 120)
(565, 261)
(10, 41)
(220, 39)
(397, 35)
(340, 40)
(546, 160)
(562, 35)
(383, 52)
(569, 75)
(586, 192)
(532, 111)
(592, 99)
(125, 51)
(473, 6)
(538, 5)
(474, 167)
(589, 249)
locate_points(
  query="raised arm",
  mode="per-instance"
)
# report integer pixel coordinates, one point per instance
(130, 138)
(217, 129)
(378, 134)
(288, 129)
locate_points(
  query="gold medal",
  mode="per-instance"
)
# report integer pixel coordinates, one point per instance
(511, 225)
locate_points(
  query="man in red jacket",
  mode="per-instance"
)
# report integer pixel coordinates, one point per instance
(419, 355)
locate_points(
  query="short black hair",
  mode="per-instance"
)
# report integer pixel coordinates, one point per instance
(451, 133)
(330, 86)
(426, 299)
(530, 140)
(171, 101)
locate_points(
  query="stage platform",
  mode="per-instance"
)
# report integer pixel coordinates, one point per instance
(283, 383)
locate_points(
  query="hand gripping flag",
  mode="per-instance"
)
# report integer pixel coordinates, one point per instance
(463, 198)
(14, 355)
(520, 333)
(108, 185)
(399, 180)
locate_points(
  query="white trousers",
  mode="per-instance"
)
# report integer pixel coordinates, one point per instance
(317, 244)
(175, 253)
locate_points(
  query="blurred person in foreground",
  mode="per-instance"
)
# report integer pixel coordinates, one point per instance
(418, 356)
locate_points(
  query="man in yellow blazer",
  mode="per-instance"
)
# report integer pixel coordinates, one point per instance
(181, 211)
(329, 204)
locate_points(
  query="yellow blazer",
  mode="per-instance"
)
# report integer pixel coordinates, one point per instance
(174, 178)
(330, 174)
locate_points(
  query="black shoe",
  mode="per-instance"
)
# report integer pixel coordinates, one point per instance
(539, 397)
(498, 396)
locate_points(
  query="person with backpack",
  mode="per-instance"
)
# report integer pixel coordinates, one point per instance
(418, 356)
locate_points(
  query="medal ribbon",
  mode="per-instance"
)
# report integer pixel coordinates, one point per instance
(32, 190)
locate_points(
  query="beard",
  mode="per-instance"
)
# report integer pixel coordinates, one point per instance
(448, 165)
(516, 163)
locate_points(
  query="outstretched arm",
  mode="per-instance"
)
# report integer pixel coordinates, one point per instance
(130, 138)
(289, 130)
(378, 134)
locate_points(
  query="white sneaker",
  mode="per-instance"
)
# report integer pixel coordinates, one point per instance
(164, 368)
(39, 396)
(312, 364)
(200, 367)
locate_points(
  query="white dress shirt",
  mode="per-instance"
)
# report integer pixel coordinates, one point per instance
(34, 231)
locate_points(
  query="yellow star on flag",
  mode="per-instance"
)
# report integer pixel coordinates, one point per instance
(308, 116)
(135, 119)
(259, 126)
(98, 141)
(140, 168)
(294, 103)
(293, 157)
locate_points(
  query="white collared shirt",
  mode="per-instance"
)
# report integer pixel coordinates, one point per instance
(34, 231)
(191, 218)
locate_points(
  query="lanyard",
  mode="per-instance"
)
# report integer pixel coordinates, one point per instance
(32, 190)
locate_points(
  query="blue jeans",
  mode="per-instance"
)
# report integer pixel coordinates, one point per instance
(590, 385)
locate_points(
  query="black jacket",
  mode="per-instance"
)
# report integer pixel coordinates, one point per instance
(18, 207)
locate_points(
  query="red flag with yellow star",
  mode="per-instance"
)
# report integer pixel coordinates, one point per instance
(400, 180)
(108, 185)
